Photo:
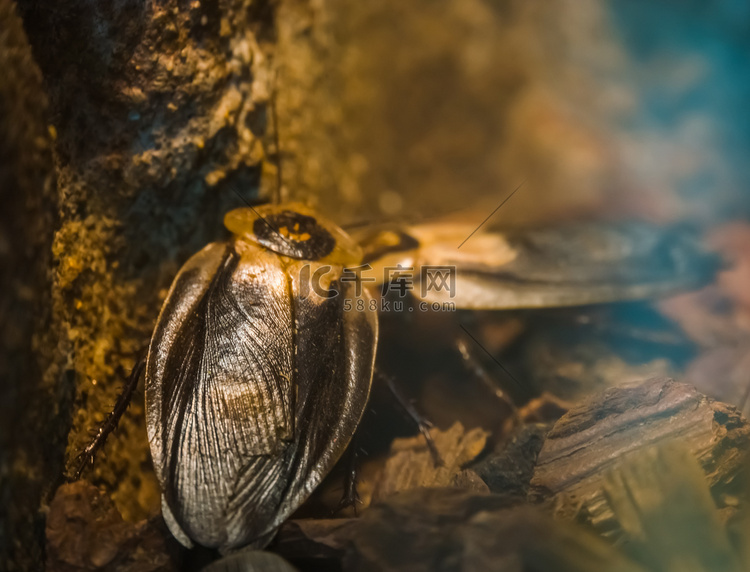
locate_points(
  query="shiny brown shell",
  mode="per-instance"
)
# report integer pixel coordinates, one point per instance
(255, 384)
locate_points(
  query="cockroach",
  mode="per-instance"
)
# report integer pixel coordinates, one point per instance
(254, 383)
(261, 361)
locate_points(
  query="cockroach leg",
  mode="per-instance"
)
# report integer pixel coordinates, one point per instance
(423, 424)
(86, 456)
(350, 498)
(474, 365)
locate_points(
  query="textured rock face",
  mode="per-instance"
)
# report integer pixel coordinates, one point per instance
(34, 400)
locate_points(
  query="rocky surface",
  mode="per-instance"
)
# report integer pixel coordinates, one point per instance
(35, 394)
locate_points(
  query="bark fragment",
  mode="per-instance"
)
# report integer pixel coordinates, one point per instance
(592, 437)
(412, 466)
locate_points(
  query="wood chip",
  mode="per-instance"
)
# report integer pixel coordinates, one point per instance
(411, 465)
(592, 438)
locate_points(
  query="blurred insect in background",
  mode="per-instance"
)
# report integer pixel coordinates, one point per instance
(262, 358)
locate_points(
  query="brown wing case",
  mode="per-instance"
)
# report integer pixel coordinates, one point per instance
(252, 393)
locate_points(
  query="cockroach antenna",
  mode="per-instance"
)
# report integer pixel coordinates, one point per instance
(276, 141)
(745, 396)
(260, 216)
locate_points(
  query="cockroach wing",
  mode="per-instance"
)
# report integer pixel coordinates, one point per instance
(567, 265)
(251, 397)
